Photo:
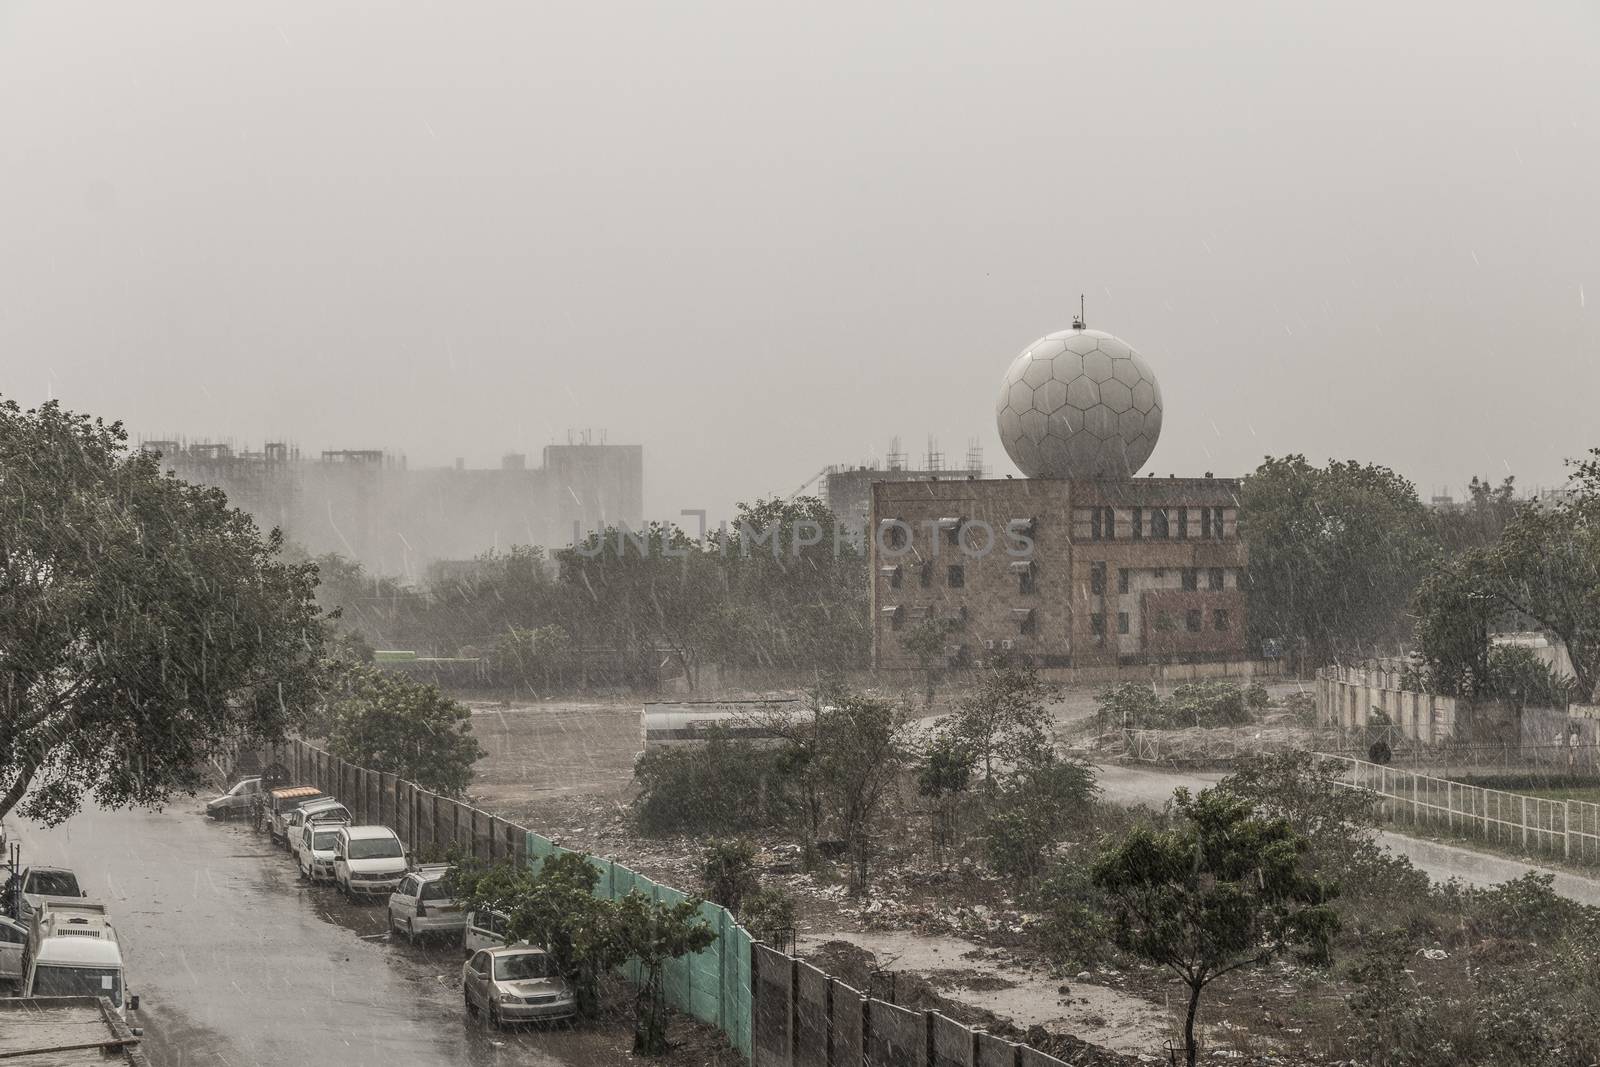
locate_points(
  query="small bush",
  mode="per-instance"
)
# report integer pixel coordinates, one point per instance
(720, 787)
(728, 872)
(1031, 813)
(766, 911)
(1256, 696)
(1072, 929)
(1207, 704)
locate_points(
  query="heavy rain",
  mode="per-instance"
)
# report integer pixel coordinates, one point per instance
(1036, 535)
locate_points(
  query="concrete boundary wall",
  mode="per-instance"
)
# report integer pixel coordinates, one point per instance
(1347, 695)
(777, 1010)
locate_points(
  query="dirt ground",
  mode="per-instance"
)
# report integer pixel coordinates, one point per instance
(565, 769)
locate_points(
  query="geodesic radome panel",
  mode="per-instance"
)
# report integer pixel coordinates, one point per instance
(1079, 404)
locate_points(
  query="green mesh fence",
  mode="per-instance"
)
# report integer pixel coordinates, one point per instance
(712, 985)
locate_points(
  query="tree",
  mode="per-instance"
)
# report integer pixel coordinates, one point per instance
(944, 776)
(1007, 718)
(926, 641)
(1222, 891)
(655, 932)
(145, 626)
(385, 722)
(860, 750)
(1030, 813)
(556, 909)
(1335, 553)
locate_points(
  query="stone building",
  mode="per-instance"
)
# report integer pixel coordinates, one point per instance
(1080, 563)
(1060, 573)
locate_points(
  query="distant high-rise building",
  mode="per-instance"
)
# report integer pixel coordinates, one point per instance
(369, 505)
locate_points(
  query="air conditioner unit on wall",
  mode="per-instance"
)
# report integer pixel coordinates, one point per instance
(1007, 644)
(989, 645)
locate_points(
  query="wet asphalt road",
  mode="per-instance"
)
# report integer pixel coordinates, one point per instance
(238, 961)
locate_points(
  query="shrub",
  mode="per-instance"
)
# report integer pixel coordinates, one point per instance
(1207, 704)
(1072, 928)
(766, 911)
(728, 872)
(1256, 696)
(1030, 814)
(721, 787)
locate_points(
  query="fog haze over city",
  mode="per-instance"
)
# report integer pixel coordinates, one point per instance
(758, 242)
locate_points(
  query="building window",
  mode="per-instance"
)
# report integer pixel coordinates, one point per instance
(1219, 619)
(1205, 524)
(1191, 579)
(1192, 620)
(1097, 624)
(1109, 523)
(1025, 581)
(1159, 529)
(1096, 531)
(957, 576)
(1124, 579)
(1097, 579)
(1136, 521)
(925, 574)
(894, 578)
(1214, 576)
(1183, 524)
(1216, 523)
(1122, 622)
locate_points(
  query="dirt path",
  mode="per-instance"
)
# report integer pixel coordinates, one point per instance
(1130, 786)
(967, 973)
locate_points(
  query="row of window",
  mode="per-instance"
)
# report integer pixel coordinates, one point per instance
(1164, 524)
(1216, 578)
(1193, 621)
(955, 575)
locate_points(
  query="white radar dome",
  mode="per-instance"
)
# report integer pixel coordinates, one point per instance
(1079, 403)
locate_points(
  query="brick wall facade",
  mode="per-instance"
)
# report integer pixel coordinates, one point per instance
(1063, 573)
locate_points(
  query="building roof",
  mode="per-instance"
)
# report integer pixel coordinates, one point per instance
(294, 791)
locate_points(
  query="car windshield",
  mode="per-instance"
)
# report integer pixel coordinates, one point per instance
(242, 787)
(53, 884)
(375, 848)
(521, 966)
(78, 982)
(325, 840)
(434, 890)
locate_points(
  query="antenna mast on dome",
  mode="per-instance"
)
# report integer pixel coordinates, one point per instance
(1079, 322)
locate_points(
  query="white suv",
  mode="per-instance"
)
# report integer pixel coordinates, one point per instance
(368, 860)
(422, 906)
(314, 850)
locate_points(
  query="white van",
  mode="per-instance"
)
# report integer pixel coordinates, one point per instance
(327, 811)
(72, 951)
(422, 905)
(368, 860)
(314, 850)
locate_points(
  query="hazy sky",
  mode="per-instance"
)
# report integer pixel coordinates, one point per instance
(762, 238)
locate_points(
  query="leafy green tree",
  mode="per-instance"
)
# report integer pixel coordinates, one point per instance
(656, 932)
(796, 596)
(1030, 813)
(386, 722)
(1129, 706)
(1222, 891)
(944, 775)
(145, 626)
(557, 910)
(523, 656)
(642, 591)
(1007, 718)
(926, 641)
(861, 748)
(1335, 553)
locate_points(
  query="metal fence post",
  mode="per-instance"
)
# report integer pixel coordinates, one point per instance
(1566, 828)
(1524, 821)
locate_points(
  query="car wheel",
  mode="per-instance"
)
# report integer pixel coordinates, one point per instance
(466, 997)
(494, 1017)
(411, 931)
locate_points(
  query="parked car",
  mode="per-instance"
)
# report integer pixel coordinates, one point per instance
(320, 810)
(368, 860)
(483, 929)
(37, 884)
(516, 984)
(238, 801)
(314, 851)
(278, 803)
(13, 936)
(422, 905)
